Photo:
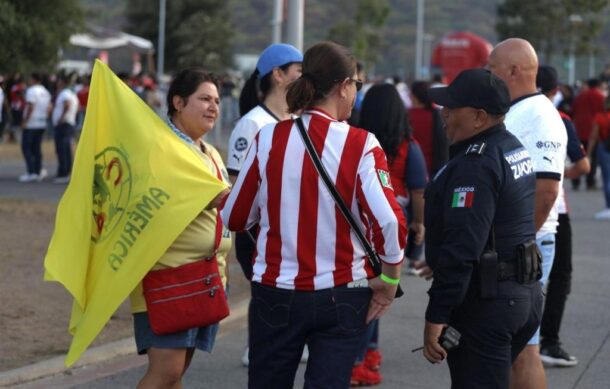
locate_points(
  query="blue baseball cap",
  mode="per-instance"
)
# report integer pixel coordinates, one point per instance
(278, 54)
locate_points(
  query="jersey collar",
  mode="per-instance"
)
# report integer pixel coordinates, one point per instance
(266, 109)
(179, 133)
(518, 99)
(320, 112)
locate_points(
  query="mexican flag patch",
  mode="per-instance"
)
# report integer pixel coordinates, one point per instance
(462, 197)
(384, 178)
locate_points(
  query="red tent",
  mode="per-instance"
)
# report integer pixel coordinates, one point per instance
(460, 51)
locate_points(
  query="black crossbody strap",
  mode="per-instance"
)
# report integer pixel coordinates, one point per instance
(372, 255)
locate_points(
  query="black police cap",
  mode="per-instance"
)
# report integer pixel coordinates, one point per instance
(476, 88)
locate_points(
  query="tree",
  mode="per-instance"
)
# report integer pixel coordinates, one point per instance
(32, 32)
(362, 32)
(197, 32)
(553, 25)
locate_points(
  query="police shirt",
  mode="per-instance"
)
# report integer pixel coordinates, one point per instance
(488, 179)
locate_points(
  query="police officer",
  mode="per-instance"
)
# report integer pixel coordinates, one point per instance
(479, 218)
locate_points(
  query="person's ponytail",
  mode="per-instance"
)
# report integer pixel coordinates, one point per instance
(325, 64)
(301, 93)
(248, 98)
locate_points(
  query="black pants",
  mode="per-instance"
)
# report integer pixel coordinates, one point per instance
(590, 179)
(494, 331)
(245, 247)
(330, 321)
(559, 285)
(63, 134)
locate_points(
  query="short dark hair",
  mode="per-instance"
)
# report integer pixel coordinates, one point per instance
(593, 82)
(323, 64)
(185, 83)
(419, 89)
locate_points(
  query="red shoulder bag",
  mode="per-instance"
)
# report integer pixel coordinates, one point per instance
(187, 296)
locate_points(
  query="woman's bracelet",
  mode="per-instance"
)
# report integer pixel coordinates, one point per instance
(388, 280)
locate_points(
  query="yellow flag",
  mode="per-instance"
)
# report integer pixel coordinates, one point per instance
(135, 187)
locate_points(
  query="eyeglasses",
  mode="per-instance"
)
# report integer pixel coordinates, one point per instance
(357, 82)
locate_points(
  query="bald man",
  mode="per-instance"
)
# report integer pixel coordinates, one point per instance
(534, 120)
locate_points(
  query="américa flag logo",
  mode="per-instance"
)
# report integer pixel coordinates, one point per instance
(462, 197)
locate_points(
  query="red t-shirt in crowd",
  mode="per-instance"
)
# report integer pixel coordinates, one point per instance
(83, 97)
(586, 105)
(17, 96)
(422, 122)
(603, 121)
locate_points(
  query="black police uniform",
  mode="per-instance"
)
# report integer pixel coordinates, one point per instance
(488, 181)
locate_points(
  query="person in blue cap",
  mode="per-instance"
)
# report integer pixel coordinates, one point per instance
(262, 101)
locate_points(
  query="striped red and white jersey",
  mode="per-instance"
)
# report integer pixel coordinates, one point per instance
(304, 242)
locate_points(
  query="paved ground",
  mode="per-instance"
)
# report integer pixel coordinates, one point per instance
(586, 327)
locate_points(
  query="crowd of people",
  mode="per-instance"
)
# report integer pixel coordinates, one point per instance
(331, 173)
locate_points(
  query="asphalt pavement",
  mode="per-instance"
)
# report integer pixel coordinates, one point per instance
(585, 330)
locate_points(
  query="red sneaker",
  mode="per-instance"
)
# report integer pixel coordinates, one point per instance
(361, 376)
(373, 359)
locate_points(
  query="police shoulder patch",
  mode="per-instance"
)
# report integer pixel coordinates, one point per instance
(384, 178)
(476, 148)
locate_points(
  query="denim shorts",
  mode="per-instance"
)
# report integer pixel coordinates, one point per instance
(546, 244)
(201, 338)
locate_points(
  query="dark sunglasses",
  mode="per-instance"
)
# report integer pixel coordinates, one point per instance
(357, 82)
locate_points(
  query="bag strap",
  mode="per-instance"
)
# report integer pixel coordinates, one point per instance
(372, 255)
(218, 234)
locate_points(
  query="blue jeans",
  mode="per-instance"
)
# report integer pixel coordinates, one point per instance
(603, 159)
(546, 244)
(31, 147)
(330, 321)
(63, 148)
(370, 340)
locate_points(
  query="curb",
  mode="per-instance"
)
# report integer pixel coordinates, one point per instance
(93, 355)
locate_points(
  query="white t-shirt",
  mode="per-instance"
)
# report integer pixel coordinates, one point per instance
(242, 135)
(58, 109)
(40, 98)
(534, 120)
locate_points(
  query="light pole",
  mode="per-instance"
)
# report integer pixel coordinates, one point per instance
(427, 50)
(276, 23)
(419, 39)
(591, 64)
(296, 9)
(161, 45)
(575, 21)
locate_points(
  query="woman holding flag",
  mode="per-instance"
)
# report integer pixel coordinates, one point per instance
(193, 107)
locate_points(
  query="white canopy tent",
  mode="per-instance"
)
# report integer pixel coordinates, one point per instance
(121, 48)
(112, 41)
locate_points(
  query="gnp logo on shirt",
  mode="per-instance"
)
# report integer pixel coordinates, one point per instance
(548, 145)
(463, 197)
